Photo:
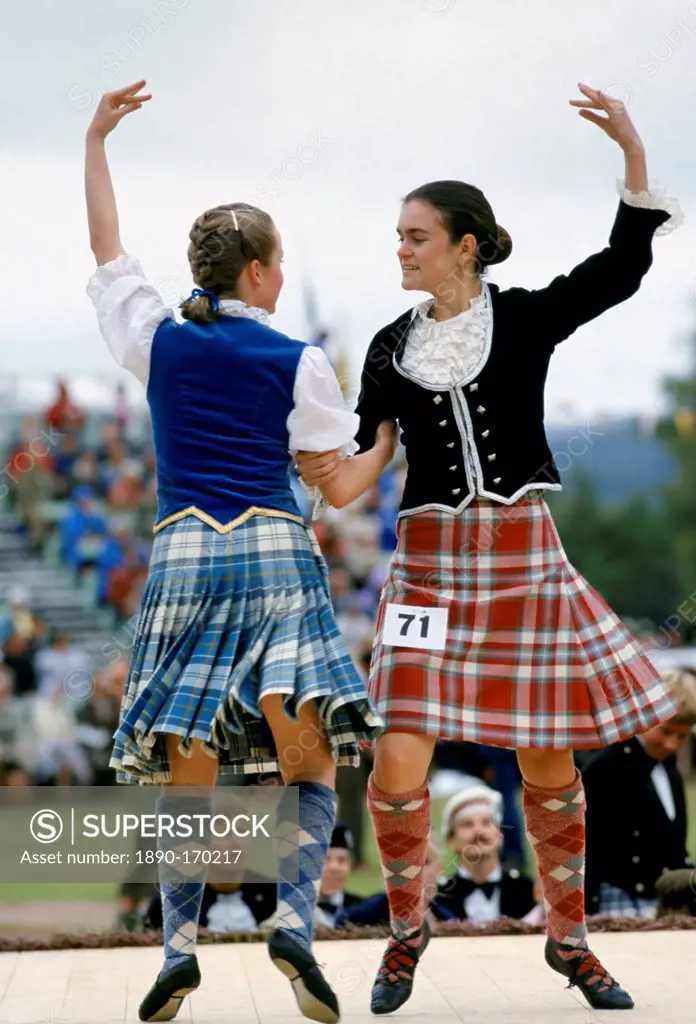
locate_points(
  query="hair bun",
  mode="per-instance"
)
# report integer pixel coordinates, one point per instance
(503, 246)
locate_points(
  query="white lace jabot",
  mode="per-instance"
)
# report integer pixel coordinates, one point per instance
(444, 352)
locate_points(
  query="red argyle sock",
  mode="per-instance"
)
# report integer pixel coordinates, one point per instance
(555, 820)
(402, 828)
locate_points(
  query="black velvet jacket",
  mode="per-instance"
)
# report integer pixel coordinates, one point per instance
(516, 895)
(630, 838)
(497, 413)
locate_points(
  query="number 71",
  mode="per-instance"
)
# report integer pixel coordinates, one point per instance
(424, 621)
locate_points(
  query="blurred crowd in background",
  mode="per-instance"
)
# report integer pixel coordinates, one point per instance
(83, 492)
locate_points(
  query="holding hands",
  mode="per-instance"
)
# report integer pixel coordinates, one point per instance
(343, 480)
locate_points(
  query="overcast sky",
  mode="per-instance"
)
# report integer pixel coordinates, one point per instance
(326, 113)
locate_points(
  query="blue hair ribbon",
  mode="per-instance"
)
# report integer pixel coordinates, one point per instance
(214, 300)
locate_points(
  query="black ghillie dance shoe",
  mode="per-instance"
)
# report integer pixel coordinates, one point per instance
(585, 972)
(315, 997)
(394, 982)
(169, 991)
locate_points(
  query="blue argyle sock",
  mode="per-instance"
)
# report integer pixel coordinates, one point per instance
(182, 882)
(302, 855)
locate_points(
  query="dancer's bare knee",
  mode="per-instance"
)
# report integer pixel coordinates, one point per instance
(402, 761)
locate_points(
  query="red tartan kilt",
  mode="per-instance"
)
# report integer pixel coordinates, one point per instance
(534, 657)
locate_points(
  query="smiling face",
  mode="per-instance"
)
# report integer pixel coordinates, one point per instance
(336, 871)
(475, 834)
(426, 252)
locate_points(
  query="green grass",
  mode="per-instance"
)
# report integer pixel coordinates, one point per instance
(17, 892)
(363, 883)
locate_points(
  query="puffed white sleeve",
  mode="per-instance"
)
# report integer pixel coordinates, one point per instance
(655, 198)
(129, 311)
(320, 420)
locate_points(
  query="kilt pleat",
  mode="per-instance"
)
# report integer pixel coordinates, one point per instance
(225, 620)
(533, 657)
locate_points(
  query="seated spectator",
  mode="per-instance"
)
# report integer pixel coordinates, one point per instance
(64, 415)
(112, 458)
(110, 434)
(61, 759)
(18, 618)
(98, 718)
(126, 487)
(84, 471)
(375, 909)
(62, 670)
(126, 582)
(30, 467)
(67, 453)
(19, 659)
(482, 890)
(82, 531)
(112, 556)
(333, 897)
(227, 906)
(636, 812)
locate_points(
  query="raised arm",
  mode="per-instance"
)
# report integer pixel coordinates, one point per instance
(129, 309)
(615, 122)
(613, 274)
(102, 214)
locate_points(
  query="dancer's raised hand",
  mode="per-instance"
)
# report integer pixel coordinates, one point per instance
(114, 106)
(610, 115)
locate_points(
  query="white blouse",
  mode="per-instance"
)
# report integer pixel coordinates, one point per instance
(129, 311)
(442, 353)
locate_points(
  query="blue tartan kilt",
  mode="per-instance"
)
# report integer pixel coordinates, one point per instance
(227, 619)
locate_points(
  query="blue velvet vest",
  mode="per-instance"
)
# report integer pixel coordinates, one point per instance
(220, 396)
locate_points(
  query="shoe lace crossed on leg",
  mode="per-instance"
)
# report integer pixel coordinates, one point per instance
(394, 981)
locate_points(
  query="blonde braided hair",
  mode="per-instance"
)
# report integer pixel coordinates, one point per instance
(222, 242)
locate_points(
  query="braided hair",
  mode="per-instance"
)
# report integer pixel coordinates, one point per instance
(222, 242)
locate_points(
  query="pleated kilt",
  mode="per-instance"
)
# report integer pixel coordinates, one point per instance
(225, 620)
(533, 655)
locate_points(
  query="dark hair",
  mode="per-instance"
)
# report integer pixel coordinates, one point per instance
(465, 211)
(223, 241)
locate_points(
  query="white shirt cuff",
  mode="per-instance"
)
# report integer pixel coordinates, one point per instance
(654, 199)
